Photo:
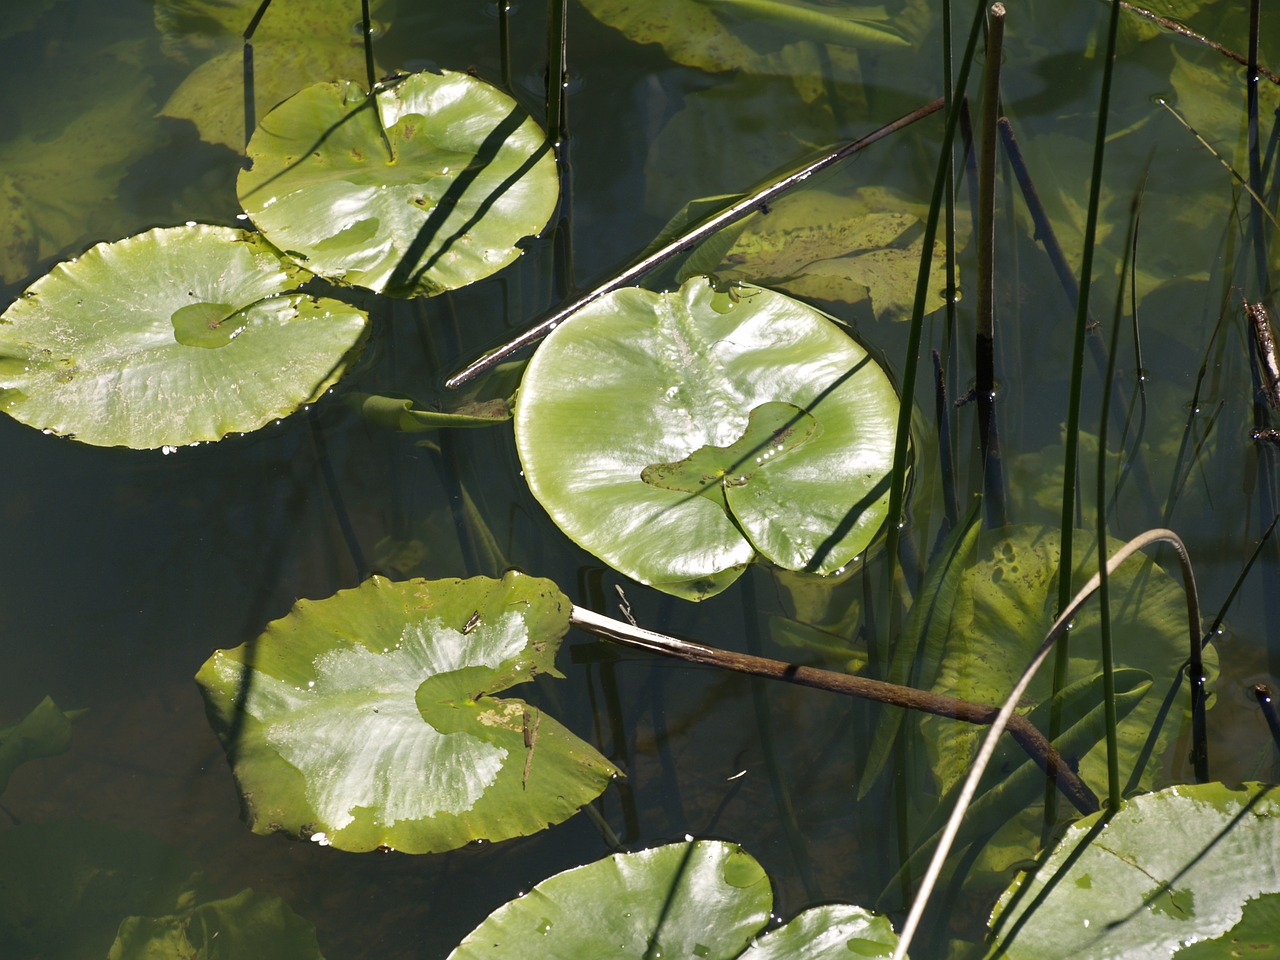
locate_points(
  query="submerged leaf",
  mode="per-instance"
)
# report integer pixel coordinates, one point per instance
(423, 188)
(369, 719)
(65, 887)
(639, 381)
(297, 42)
(171, 337)
(1169, 869)
(830, 247)
(702, 899)
(43, 732)
(248, 926)
(79, 132)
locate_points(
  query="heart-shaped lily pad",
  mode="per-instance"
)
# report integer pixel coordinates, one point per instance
(676, 435)
(703, 899)
(369, 719)
(425, 187)
(171, 337)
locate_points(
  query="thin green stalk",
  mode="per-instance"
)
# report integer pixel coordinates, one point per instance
(898, 481)
(1071, 457)
(557, 69)
(993, 482)
(504, 42)
(1100, 512)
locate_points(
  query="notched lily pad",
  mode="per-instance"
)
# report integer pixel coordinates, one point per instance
(423, 188)
(369, 720)
(100, 348)
(704, 899)
(773, 430)
(642, 401)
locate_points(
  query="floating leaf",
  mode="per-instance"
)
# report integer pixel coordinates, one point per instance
(641, 381)
(703, 899)
(297, 42)
(1169, 869)
(168, 338)
(469, 174)
(44, 732)
(369, 719)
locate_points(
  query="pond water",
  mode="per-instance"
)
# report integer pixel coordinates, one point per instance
(124, 570)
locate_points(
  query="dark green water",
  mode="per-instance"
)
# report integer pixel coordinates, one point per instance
(123, 570)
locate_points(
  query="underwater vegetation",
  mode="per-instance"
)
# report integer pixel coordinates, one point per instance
(926, 361)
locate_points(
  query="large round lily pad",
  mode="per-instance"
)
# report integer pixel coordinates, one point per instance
(675, 435)
(425, 187)
(702, 899)
(369, 719)
(171, 337)
(1190, 870)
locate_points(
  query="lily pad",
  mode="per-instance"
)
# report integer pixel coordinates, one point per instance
(704, 899)
(368, 720)
(297, 42)
(639, 386)
(1166, 873)
(425, 187)
(171, 337)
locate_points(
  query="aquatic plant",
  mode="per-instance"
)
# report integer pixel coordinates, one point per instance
(689, 439)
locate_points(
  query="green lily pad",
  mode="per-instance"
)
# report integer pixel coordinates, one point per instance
(368, 720)
(43, 732)
(641, 381)
(1169, 871)
(424, 188)
(297, 42)
(702, 899)
(171, 337)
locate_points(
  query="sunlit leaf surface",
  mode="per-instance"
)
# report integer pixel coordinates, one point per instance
(702, 899)
(171, 337)
(622, 408)
(425, 188)
(369, 719)
(1173, 873)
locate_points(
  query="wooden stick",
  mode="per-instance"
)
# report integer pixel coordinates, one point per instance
(1022, 730)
